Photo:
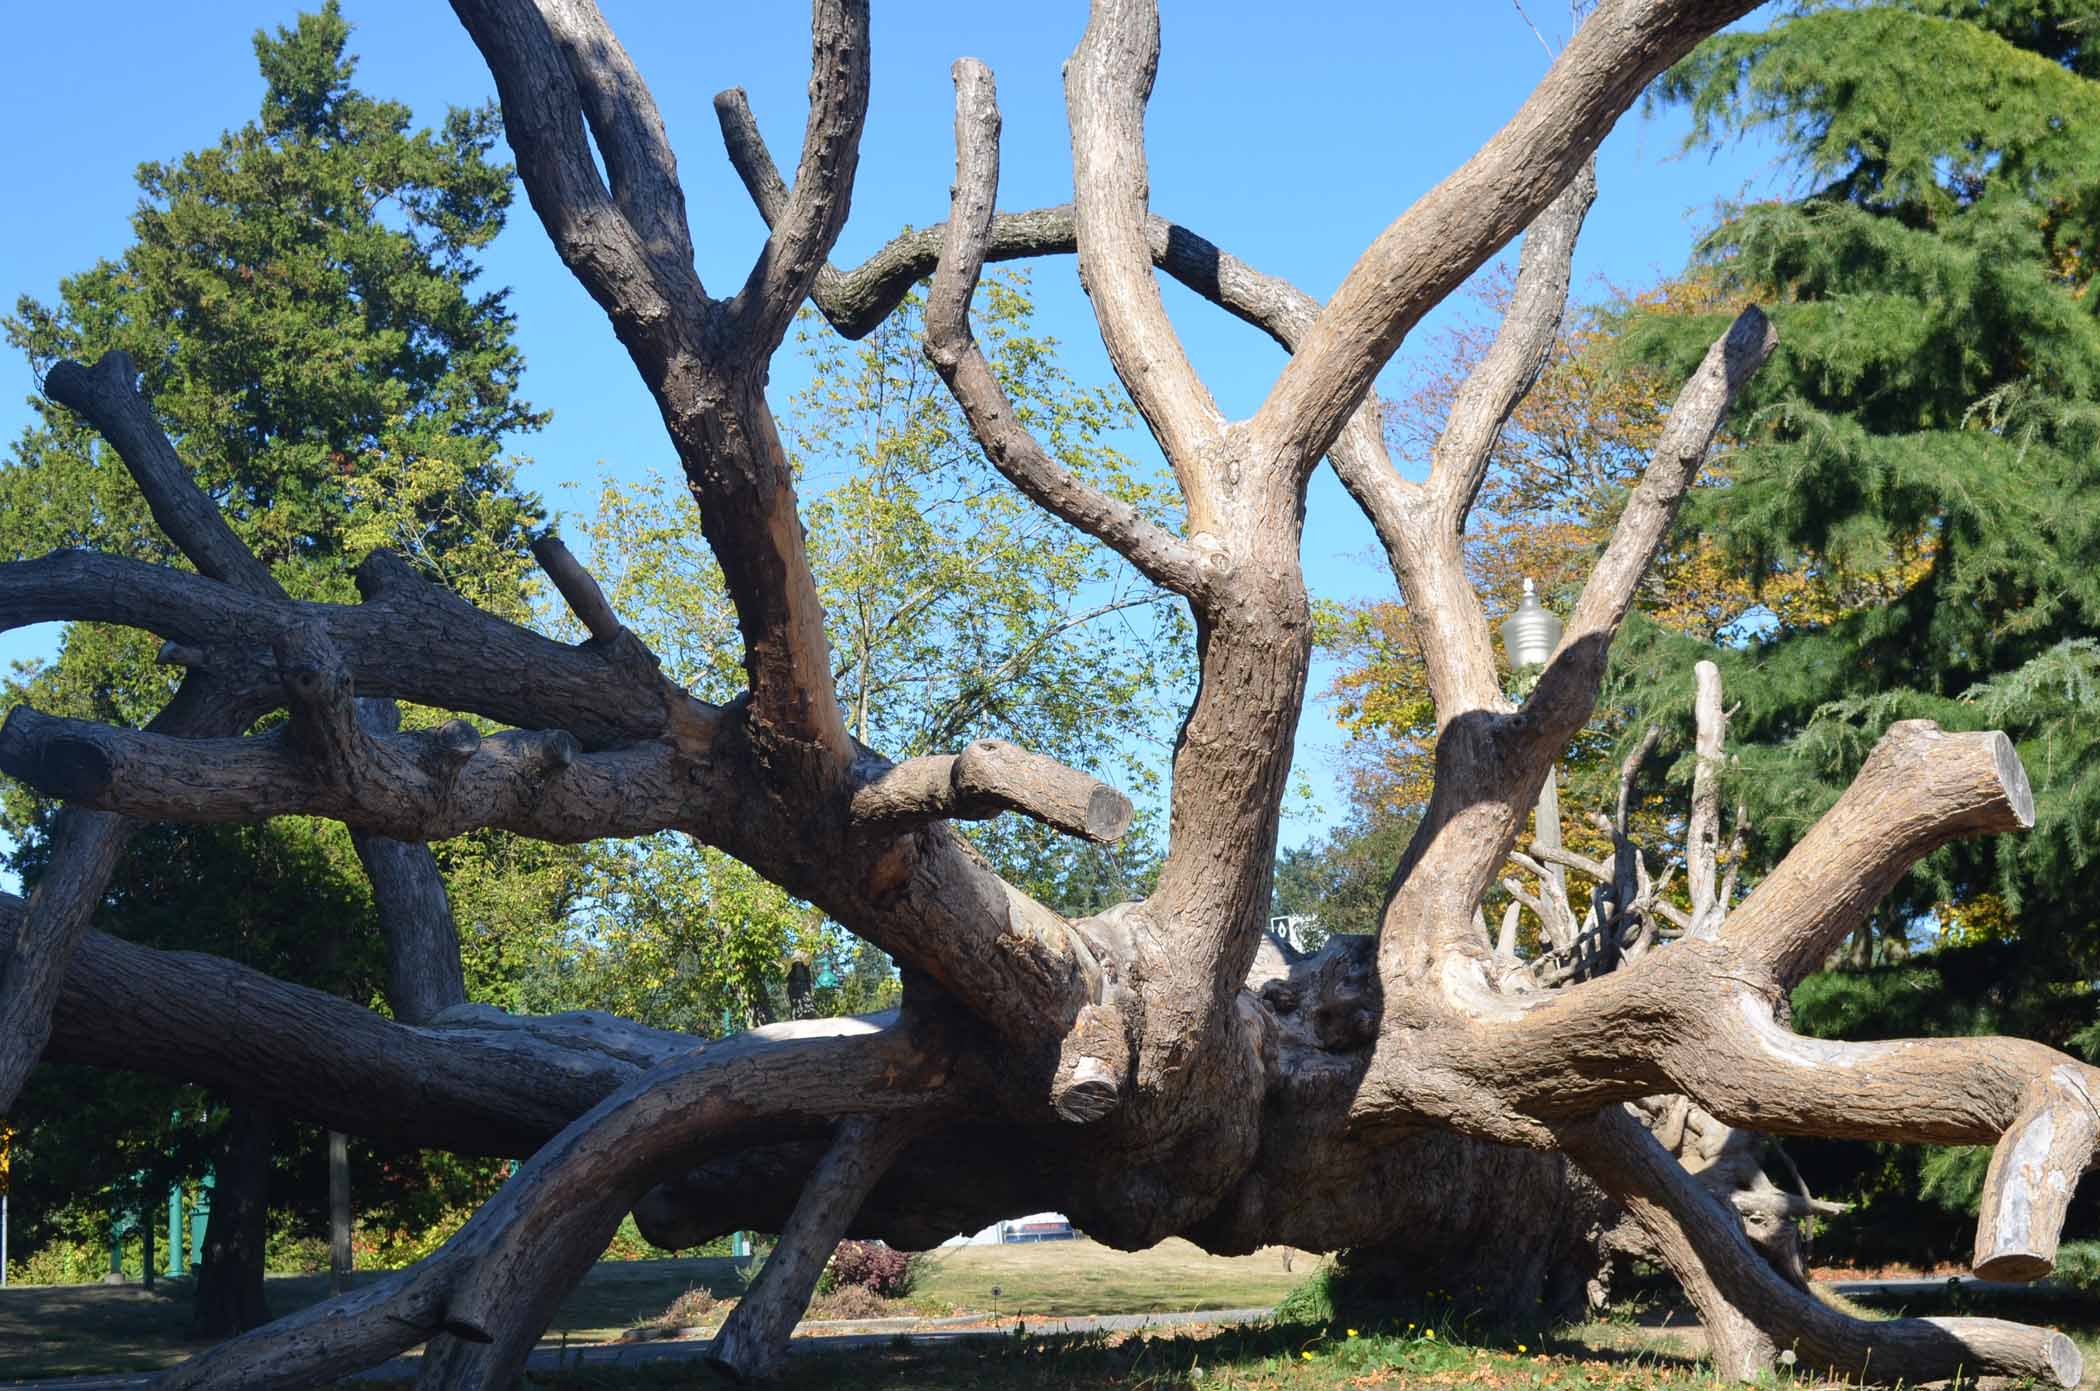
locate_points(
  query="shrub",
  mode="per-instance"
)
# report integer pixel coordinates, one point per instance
(2078, 1265)
(66, 1262)
(869, 1265)
(848, 1302)
(1311, 1300)
(697, 1306)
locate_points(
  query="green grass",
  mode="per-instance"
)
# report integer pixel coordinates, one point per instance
(1067, 1278)
(1243, 1359)
(61, 1330)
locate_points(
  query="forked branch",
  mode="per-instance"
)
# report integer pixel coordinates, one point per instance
(1108, 80)
(624, 247)
(1567, 689)
(1157, 553)
(1451, 230)
(814, 212)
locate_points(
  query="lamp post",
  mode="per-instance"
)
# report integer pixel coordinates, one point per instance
(1531, 633)
(1528, 638)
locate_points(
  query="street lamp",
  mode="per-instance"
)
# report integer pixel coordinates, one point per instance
(1531, 633)
(1528, 637)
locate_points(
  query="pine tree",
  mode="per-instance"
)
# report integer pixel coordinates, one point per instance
(301, 302)
(1936, 396)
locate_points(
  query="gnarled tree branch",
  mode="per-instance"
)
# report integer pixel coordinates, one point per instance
(1920, 788)
(814, 212)
(953, 350)
(1446, 235)
(1108, 80)
(989, 777)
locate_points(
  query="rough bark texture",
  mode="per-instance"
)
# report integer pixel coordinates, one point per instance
(1150, 1069)
(753, 1340)
(229, 1297)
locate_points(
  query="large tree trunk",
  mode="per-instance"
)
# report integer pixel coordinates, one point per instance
(1513, 1239)
(229, 1292)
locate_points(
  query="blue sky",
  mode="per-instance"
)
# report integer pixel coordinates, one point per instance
(1290, 135)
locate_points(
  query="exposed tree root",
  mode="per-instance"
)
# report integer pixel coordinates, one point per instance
(1751, 1314)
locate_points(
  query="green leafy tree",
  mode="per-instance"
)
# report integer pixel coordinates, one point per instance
(1938, 387)
(1936, 396)
(957, 610)
(301, 302)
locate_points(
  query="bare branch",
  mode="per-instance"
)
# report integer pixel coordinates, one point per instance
(88, 846)
(1567, 690)
(1530, 328)
(1750, 1310)
(1919, 789)
(628, 133)
(2034, 1171)
(1093, 1065)
(577, 589)
(1108, 80)
(106, 396)
(634, 276)
(1702, 837)
(1629, 772)
(987, 778)
(753, 1340)
(953, 350)
(855, 301)
(430, 785)
(1456, 226)
(1604, 874)
(409, 639)
(425, 975)
(812, 215)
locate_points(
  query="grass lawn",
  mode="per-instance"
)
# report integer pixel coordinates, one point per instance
(58, 1330)
(1248, 1359)
(55, 1330)
(1062, 1278)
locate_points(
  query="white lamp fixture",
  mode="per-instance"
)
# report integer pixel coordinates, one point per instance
(1531, 633)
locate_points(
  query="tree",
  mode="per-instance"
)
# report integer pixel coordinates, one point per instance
(956, 611)
(300, 300)
(1937, 395)
(1118, 1065)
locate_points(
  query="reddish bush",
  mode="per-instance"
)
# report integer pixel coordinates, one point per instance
(871, 1266)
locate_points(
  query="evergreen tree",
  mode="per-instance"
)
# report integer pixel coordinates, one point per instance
(1936, 396)
(301, 301)
(1936, 391)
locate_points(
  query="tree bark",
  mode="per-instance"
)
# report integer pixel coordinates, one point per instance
(229, 1292)
(753, 1340)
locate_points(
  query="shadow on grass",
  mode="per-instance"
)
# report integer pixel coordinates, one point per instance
(1301, 1357)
